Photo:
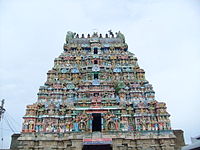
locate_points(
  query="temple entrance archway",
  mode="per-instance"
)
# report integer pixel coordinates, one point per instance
(97, 147)
(96, 122)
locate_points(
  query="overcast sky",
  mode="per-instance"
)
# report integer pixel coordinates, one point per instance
(163, 34)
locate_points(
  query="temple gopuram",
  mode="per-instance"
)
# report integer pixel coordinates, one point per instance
(96, 97)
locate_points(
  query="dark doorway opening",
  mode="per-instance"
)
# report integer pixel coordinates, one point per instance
(96, 94)
(95, 62)
(96, 76)
(95, 51)
(96, 122)
(97, 147)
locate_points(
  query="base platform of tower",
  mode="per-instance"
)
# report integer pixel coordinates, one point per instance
(97, 97)
(98, 140)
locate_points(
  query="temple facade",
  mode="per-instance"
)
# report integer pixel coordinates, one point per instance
(96, 97)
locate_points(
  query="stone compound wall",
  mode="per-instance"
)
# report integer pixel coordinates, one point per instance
(179, 141)
(74, 141)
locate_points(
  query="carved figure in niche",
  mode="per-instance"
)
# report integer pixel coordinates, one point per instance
(25, 125)
(39, 128)
(151, 110)
(39, 125)
(83, 121)
(63, 128)
(124, 124)
(122, 97)
(69, 125)
(59, 129)
(76, 125)
(117, 124)
(153, 122)
(131, 126)
(48, 128)
(82, 125)
(110, 124)
(31, 125)
(129, 109)
(124, 112)
(161, 126)
(155, 126)
(145, 123)
(139, 127)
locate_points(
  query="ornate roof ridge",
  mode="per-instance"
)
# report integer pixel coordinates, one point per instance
(74, 38)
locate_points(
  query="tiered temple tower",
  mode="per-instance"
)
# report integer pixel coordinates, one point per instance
(96, 97)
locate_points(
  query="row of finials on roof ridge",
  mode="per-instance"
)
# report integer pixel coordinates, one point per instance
(95, 34)
(71, 35)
